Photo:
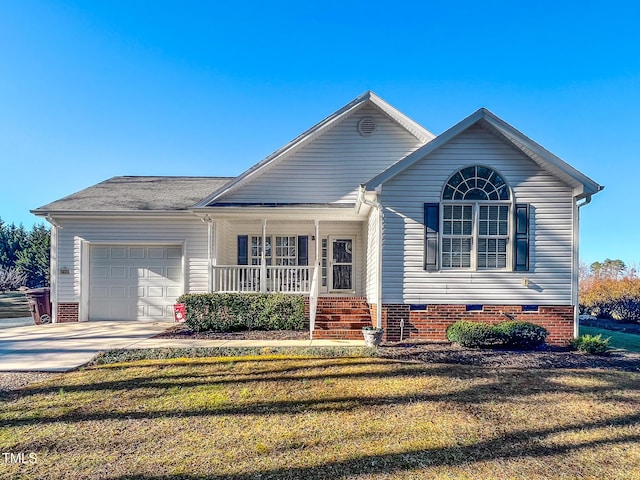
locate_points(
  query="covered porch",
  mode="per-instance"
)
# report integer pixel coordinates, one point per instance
(290, 252)
(285, 255)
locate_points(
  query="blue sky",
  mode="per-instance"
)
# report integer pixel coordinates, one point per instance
(94, 89)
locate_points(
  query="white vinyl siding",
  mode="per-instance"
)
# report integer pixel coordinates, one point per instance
(77, 234)
(331, 167)
(551, 229)
(373, 250)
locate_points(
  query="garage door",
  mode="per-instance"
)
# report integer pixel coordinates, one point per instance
(134, 282)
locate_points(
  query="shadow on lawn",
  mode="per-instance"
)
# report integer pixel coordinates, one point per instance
(502, 386)
(526, 443)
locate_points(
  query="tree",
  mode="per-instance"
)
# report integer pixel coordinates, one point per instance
(12, 240)
(611, 290)
(609, 269)
(33, 260)
(11, 279)
(25, 253)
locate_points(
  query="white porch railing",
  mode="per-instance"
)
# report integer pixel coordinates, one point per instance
(251, 278)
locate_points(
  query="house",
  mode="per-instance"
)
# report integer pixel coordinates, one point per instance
(369, 215)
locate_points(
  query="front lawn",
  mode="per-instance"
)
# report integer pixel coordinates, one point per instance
(14, 305)
(626, 341)
(286, 417)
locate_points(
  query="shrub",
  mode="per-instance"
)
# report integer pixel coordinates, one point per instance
(591, 344)
(473, 334)
(611, 297)
(508, 334)
(521, 334)
(228, 312)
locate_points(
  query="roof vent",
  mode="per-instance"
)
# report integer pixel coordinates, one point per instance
(366, 126)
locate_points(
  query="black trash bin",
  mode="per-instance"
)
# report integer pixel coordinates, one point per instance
(39, 304)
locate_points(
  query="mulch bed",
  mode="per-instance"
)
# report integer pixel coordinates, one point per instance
(444, 352)
(547, 357)
(182, 332)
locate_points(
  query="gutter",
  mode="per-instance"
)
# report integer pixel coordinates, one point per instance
(580, 202)
(378, 206)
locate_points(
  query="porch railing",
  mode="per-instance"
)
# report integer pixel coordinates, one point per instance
(251, 278)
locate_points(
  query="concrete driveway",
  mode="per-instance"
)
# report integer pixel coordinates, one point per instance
(60, 347)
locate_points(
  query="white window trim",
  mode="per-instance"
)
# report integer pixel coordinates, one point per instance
(271, 256)
(475, 235)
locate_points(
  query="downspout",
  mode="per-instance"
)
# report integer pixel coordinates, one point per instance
(53, 267)
(576, 264)
(378, 206)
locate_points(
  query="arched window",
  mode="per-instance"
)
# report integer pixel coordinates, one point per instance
(476, 212)
(476, 183)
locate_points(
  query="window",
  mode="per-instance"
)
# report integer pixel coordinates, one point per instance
(256, 250)
(286, 251)
(475, 229)
(278, 250)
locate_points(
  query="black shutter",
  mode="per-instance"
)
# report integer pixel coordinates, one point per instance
(243, 250)
(303, 250)
(431, 236)
(521, 247)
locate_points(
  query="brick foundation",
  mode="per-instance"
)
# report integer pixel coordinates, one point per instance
(67, 312)
(431, 322)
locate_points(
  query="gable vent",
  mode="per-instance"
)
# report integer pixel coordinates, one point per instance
(366, 126)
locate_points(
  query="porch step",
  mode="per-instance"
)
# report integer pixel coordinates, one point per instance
(342, 325)
(341, 317)
(339, 334)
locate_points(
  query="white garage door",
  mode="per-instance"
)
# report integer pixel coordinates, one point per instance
(134, 282)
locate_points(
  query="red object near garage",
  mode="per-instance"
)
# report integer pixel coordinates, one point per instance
(179, 313)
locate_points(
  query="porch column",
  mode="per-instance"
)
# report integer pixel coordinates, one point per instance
(263, 258)
(318, 244)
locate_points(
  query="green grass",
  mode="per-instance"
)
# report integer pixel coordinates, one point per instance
(283, 417)
(626, 341)
(13, 305)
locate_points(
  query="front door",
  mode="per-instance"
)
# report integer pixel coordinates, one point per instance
(341, 270)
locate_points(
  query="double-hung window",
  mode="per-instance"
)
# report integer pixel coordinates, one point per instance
(278, 250)
(475, 226)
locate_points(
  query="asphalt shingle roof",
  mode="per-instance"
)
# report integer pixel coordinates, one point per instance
(130, 194)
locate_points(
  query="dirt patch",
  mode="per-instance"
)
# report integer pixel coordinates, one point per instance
(16, 380)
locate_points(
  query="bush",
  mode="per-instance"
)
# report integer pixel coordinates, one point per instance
(473, 334)
(521, 334)
(591, 344)
(614, 298)
(505, 334)
(229, 312)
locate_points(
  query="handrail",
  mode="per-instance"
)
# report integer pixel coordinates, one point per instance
(313, 302)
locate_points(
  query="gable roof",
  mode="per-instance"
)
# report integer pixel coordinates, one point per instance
(131, 194)
(367, 98)
(583, 186)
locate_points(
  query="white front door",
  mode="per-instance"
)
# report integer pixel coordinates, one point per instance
(341, 264)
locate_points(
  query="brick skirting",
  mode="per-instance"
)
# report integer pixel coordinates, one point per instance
(67, 312)
(430, 322)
